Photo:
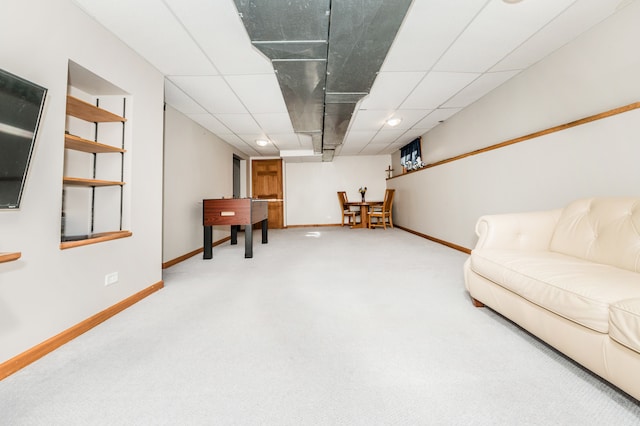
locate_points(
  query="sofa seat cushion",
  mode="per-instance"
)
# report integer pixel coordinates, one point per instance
(625, 323)
(573, 288)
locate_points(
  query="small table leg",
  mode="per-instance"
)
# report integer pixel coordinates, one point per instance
(265, 226)
(208, 237)
(234, 234)
(248, 241)
(364, 214)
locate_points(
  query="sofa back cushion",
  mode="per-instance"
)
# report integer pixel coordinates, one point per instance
(602, 230)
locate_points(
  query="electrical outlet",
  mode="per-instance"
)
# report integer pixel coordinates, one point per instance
(111, 278)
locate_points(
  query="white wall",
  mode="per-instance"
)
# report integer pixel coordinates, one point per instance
(49, 290)
(197, 165)
(311, 188)
(595, 73)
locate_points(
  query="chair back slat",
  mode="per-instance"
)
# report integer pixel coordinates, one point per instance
(342, 197)
(388, 199)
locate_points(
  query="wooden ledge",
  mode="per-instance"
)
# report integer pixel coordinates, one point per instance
(524, 138)
(96, 238)
(80, 144)
(89, 182)
(91, 113)
(8, 257)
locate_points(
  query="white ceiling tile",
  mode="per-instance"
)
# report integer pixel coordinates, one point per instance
(498, 30)
(386, 136)
(372, 150)
(235, 141)
(274, 123)
(300, 156)
(388, 150)
(179, 100)
(347, 149)
(210, 123)
(437, 88)
(285, 141)
(427, 32)
(240, 124)
(260, 93)
(250, 141)
(232, 139)
(433, 119)
(478, 88)
(219, 31)
(251, 138)
(355, 141)
(191, 40)
(369, 119)
(269, 150)
(211, 92)
(581, 16)
(390, 89)
(409, 118)
(163, 42)
(403, 140)
(408, 136)
(359, 138)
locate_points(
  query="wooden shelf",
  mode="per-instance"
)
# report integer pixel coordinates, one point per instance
(85, 111)
(89, 182)
(8, 257)
(90, 113)
(95, 238)
(85, 145)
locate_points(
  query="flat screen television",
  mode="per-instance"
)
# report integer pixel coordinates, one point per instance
(21, 104)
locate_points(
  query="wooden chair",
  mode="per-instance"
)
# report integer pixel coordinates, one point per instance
(346, 210)
(383, 212)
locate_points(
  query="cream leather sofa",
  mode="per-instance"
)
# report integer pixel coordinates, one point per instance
(569, 276)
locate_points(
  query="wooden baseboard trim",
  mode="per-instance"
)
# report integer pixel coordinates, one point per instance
(20, 361)
(184, 257)
(436, 240)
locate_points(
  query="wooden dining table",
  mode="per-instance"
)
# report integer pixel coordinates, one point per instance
(364, 210)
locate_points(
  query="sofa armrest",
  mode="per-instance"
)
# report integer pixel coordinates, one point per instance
(522, 231)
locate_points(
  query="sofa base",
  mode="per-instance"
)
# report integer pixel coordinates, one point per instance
(595, 351)
(477, 303)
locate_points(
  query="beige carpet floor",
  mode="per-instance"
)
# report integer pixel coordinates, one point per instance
(324, 326)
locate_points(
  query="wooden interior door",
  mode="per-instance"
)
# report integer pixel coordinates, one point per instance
(266, 184)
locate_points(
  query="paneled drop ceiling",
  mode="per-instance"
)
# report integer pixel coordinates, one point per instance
(447, 54)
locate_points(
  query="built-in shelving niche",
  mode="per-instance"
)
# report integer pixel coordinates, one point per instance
(94, 195)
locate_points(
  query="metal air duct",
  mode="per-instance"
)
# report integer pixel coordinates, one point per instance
(326, 55)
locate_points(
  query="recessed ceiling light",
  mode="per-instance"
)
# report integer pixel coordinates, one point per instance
(394, 121)
(512, 1)
(262, 142)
